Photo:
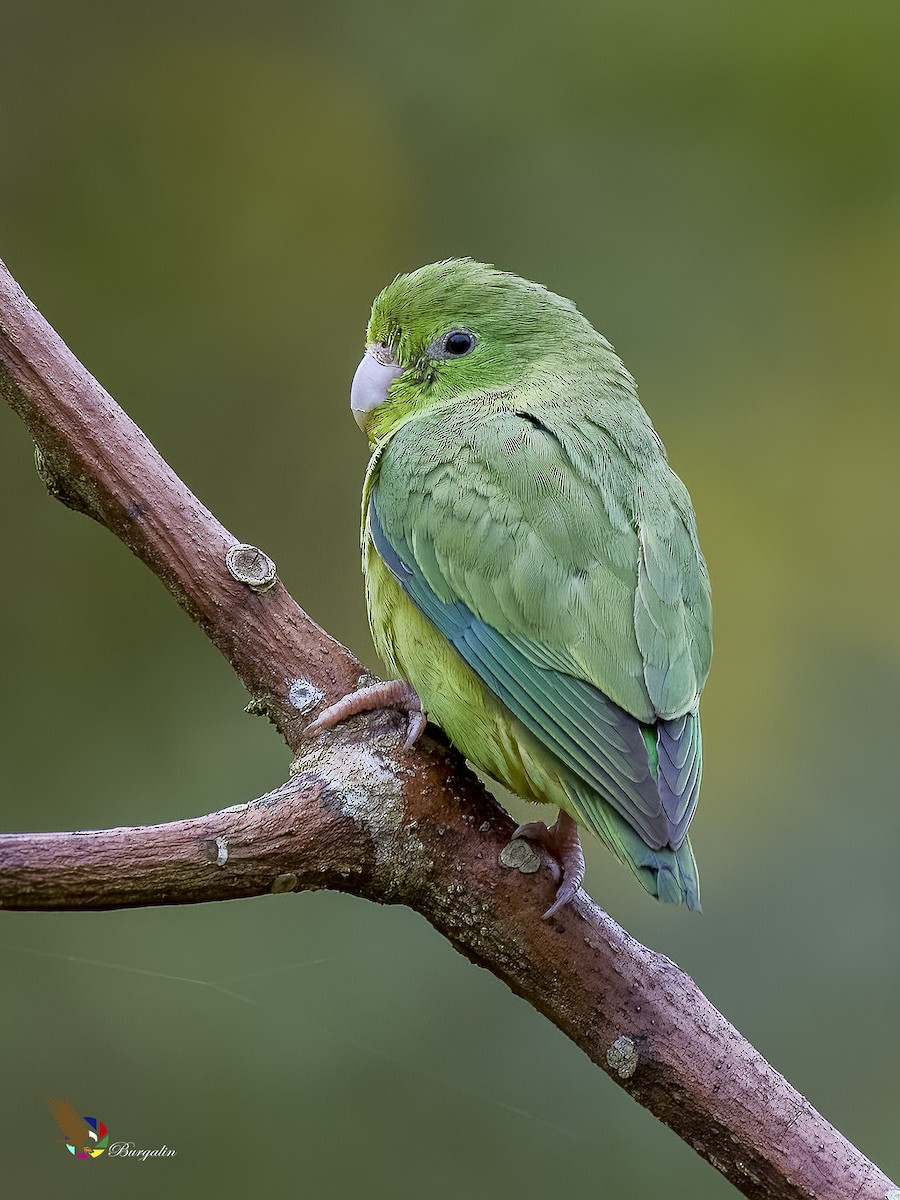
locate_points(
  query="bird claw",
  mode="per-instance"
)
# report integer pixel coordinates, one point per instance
(562, 843)
(396, 693)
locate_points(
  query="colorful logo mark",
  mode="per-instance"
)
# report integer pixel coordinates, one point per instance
(83, 1137)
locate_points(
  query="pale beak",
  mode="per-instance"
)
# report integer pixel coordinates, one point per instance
(374, 375)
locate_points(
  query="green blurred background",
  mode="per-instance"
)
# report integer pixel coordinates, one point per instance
(203, 199)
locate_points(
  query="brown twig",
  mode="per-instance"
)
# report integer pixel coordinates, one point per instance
(362, 816)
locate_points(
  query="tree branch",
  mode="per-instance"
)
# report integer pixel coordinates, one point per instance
(363, 816)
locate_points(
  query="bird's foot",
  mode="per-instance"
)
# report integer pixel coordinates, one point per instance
(562, 842)
(396, 693)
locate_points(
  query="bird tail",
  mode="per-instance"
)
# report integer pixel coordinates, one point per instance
(669, 875)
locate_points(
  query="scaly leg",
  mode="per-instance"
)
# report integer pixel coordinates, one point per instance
(562, 842)
(396, 693)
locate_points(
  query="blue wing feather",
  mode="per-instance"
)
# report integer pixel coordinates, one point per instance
(599, 742)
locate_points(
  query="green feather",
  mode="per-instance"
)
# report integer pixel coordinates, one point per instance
(536, 573)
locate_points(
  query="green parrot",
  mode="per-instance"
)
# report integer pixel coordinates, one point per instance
(533, 574)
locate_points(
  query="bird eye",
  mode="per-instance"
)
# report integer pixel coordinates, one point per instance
(454, 344)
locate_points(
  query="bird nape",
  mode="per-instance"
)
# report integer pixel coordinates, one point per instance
(533, 574)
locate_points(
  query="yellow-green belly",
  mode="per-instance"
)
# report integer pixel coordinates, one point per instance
(453, 696)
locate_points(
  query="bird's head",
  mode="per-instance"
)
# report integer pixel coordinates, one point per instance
(458, 328)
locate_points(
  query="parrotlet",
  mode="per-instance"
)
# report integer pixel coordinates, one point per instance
(533, 573)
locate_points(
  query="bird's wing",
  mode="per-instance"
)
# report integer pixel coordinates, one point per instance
(577, 599)
(71, 1125)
